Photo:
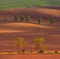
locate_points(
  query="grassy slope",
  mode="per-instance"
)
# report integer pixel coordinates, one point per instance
(27, 3)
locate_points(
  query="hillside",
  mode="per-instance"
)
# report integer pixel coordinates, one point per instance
(11, 31)
(45, 13)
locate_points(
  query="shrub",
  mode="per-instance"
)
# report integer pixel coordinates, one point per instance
(5, 19)
(52, 21)
(23, 51)
(16, 18)
(41, 51)
(39, 20)
(28, 19)
(56, 51)
(31, 51)
(22, 18)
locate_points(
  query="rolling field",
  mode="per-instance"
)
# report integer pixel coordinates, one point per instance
(11, 31)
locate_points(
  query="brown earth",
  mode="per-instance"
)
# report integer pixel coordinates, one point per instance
(45, 13)
(10, 31)
(38, 56)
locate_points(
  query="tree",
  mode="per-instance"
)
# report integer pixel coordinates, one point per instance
(39, 44)
(52, 21)
(28, 19)
(39, 20)
(20, 43)
(16, 18)
(42, 45)
(35, 43)
(22, 18)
